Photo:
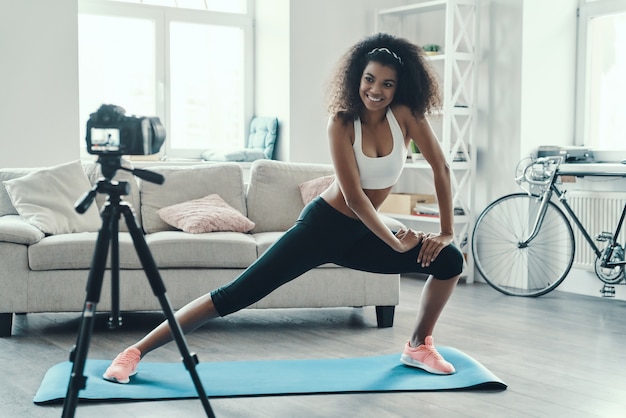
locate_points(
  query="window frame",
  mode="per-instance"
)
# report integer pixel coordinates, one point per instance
(163, 16)
(587, 10)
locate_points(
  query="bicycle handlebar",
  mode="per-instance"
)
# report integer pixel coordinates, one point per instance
(540, 171)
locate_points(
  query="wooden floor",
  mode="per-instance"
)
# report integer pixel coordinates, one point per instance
(562, 355)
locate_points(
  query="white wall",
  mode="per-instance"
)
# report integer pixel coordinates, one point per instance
(38, 82)
(526, 67)
(548, 73)
(499, 65)
(272, 69)
(321, 32)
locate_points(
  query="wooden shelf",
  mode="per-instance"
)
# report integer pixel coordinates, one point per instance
(428, 219)
(458, 56)
(423, 165)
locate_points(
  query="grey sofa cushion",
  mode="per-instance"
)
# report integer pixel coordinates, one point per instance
(170, 249)
(176, 249)
(75, 252)
(274, 199)
(187, 183)
(64, 251)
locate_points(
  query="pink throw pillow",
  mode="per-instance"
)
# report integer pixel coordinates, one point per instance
(309, 190)
(208, 214)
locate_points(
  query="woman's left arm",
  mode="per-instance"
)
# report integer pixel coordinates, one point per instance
(421, 132)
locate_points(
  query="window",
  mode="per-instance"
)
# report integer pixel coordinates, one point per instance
(191, 68)
(206, 90)
(601, 85)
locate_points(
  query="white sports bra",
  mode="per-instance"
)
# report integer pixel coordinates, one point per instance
(380, 172)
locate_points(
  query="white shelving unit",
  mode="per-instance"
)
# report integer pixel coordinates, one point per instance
(451, 24)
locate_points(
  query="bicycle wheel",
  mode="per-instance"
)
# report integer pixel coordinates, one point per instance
(517, 270)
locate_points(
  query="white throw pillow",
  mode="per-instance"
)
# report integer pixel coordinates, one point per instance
(6, 206)
(46, 199)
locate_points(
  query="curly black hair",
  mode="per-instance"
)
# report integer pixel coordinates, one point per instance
(417, 85)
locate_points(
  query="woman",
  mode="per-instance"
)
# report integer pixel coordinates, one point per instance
(380, 94)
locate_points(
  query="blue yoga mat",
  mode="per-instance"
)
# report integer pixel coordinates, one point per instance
(160, 381)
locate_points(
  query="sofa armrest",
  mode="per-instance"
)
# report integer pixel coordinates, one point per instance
(15, 229)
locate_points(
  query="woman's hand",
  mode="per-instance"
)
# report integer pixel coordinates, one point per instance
(432, 244)
(409, 239)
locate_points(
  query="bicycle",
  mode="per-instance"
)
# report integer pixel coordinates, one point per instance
(523, 243)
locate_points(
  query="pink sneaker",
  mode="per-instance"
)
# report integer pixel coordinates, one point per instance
(426, 357)
(123, 366)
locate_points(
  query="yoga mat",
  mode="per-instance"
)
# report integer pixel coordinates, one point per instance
(161, 381)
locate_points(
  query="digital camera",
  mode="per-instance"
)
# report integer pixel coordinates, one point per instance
(109, 131)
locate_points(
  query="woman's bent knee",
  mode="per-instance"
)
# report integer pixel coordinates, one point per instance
(449, 263)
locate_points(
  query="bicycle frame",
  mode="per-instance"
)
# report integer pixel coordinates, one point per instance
(549, 186)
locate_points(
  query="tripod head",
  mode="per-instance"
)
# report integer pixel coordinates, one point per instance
(109, 165)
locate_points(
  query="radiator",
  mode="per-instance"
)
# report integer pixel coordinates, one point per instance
(598, 212)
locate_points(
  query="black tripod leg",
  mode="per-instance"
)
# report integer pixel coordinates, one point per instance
(94, 287)
(115, 320)
(158, 288)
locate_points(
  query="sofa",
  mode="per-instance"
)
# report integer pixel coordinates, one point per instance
(205, 224)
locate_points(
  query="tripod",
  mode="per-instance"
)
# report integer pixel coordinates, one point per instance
(108, 235)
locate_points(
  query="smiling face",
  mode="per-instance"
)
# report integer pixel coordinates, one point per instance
(378, 85)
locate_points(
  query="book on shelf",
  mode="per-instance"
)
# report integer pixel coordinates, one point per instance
(432, 209)
(426, 215)
(426, 209)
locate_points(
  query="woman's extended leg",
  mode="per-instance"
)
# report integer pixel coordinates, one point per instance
(193, 315)
(190, 317)
(266, 274)
(300, 249)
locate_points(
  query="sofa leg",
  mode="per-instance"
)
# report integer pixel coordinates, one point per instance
(6, 323)
(384, 316)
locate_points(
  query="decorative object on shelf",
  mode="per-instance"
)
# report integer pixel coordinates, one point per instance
(432, 49)
(405, 203)
(416, 154)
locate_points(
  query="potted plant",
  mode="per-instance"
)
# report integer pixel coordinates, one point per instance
(432, 49)
(416, 155)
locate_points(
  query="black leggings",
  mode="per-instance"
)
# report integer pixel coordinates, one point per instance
(324, 235)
